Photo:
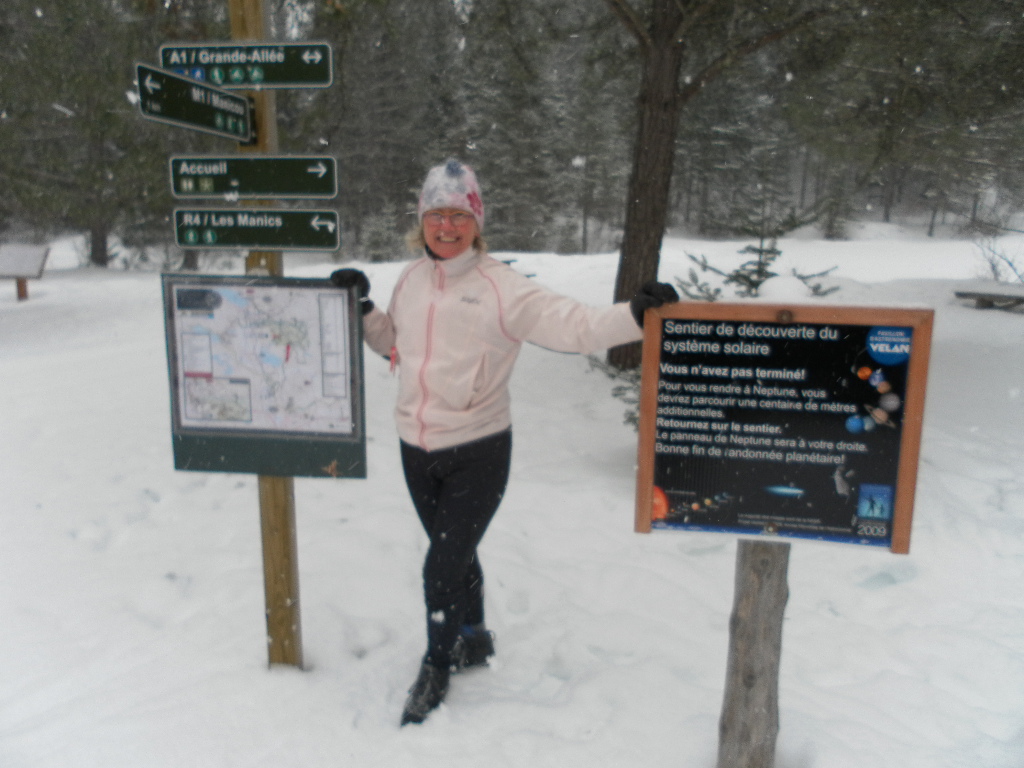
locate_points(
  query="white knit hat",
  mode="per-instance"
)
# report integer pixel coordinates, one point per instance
(452, 185)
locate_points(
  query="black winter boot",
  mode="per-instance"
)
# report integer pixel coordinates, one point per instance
(426, 693)
(472, 649)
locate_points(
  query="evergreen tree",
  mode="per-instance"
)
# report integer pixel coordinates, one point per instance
(390, 113)
(79, 155)
(682, 46)
(919, 101)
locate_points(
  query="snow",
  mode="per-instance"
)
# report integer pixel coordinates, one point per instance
(132, 594)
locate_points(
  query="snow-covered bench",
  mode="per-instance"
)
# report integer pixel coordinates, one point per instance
(21, 262)
(991, 300)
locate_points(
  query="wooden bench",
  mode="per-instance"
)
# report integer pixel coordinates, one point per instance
(22, 262)
(988, 300)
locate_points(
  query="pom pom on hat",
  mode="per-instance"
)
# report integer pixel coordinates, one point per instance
(452, 185)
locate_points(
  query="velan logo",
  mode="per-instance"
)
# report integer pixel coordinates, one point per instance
(889, 346)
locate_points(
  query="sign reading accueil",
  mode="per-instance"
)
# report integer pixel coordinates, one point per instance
(170, 98)
(254, 176)
(286, 228)
(797, 421)
(252, 66)
(266, 375)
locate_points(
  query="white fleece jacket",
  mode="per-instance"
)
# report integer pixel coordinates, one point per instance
(455, 328)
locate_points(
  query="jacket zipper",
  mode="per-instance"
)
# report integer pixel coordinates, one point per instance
(426, 358)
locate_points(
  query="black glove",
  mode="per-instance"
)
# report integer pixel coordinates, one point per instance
(349, 278)
(652, 294)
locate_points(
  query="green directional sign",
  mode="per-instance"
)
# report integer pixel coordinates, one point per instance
(252, 66)
(254, 176)
(171, 98)
(268, 228)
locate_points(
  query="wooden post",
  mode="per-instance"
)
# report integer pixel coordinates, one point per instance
(276, 494)
(22, 288)
(280, 570)
(750, 709)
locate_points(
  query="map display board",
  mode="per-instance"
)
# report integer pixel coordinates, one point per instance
(799, 421)
(266, 376)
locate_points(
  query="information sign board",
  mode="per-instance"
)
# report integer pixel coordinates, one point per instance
(252, 66)
(310, 230)
(171, 98)
(800, 421)
(19, 260)
(254, 176)
(266, 375)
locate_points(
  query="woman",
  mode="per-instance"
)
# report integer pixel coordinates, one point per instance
(454, 327)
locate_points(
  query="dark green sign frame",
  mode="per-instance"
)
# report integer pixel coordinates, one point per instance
(170, 98)
(263, 452)
(252, 66)
(267, 228)
(254, 177)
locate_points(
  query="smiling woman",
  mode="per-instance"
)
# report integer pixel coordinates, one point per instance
(454, 328)
(448, 232)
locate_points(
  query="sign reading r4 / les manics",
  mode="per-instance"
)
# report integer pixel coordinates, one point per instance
(797, 421)
(287, 228)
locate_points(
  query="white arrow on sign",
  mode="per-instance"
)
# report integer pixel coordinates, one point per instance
(316, 222)
(319, 169)
(151, 84)
(311, 56)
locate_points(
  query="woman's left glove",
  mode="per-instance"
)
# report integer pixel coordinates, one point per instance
(651, 295)
(348, 278)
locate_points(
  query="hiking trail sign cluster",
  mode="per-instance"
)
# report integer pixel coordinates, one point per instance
(194, 90)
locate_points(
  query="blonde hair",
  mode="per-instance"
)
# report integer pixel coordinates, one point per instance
(415, 240)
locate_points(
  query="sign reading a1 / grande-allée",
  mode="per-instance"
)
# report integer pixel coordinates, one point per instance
(266, 375)
(270, 228)
(799, 420)
(254, 176)
(252, 66)
(171, 98)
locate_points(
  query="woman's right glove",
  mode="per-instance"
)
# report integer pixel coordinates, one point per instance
(349, 278)
(650, 296)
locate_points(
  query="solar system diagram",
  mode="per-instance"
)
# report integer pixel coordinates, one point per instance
(797, 427)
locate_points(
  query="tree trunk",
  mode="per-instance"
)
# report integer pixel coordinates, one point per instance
(750, 709)
(653, 159)
(98, 234)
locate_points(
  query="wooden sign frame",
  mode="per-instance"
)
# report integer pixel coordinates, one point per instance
(795, 317)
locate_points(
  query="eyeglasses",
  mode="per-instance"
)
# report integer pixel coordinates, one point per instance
(455, 219)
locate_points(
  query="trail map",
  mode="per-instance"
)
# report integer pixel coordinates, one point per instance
(263, 358)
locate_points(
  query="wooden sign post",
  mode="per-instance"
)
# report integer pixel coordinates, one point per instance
(185, 99)
(749, 723)
(799, 421)
(276, 494)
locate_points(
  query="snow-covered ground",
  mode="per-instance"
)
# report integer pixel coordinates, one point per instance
(132, 595)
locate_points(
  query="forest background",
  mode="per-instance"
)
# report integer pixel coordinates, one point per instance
(778, 114)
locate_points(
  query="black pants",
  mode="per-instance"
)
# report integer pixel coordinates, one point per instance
(456, 492)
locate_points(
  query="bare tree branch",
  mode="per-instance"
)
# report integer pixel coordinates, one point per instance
(632, 21)
(691, 18)
(730, 57)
